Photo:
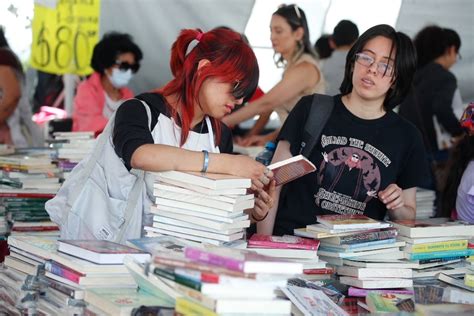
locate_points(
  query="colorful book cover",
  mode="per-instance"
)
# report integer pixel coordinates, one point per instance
(437, 254)
(367, 236)
(389, 302)
(284, 242)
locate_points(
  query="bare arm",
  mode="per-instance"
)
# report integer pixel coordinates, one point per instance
(266, 226)
(296, 80)
(157, 157)
(401, 204)
(260, 124)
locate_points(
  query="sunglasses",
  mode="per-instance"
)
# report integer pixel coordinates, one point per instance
(126, 66)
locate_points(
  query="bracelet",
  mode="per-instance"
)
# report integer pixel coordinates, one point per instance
(259, 219)
(206, 161)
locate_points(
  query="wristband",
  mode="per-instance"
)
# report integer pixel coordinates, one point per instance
(206, 161)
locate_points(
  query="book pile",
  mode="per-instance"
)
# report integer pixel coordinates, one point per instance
(213, 280)
(293, 248)
(351, 241)
(69, 268)
(425, 203)
(71, 148)
(436, 245)
(200, 207)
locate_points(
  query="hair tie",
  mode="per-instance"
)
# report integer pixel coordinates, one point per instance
(194, 43)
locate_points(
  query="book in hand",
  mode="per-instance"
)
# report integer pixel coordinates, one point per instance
(290, 169)
(101, 251)
(286, 241)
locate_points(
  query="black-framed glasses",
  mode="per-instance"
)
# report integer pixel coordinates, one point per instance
(383, 69)
(123, 65)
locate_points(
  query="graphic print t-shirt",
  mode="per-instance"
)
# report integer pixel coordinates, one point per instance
(356, 159)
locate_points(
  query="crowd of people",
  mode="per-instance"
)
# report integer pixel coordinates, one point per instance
(369, 158)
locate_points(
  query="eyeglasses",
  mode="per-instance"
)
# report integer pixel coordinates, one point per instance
(123, 65)
(383, 69)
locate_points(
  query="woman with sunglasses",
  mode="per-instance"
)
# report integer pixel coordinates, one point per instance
(176, 127)
(115, 59)
(293, 52)
(369, 160)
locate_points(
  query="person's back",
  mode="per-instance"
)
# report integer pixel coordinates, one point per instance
(344, 35)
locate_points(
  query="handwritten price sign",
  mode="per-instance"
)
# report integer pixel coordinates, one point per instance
(64, 37)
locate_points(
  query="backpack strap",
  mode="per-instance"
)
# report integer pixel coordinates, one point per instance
(136, 190)
(321, 109)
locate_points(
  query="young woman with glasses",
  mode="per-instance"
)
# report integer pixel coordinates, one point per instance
(293, 52)
(115, 59)
(369, 159)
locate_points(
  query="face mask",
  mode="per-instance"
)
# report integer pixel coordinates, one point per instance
(120, 78)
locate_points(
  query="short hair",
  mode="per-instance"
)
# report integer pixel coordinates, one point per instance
(109, 47)
(322, 47)
(432, 41)
(296, 18)
(9, 59)
(231, 60)
(404, 65)
(345, 33)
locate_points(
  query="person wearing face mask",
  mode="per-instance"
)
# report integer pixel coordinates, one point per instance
(115, 59)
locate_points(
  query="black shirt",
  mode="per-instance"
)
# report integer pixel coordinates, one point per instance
(363, 158)
(131, 130)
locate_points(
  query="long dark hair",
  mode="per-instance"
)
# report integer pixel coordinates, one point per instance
(405, 63)
(296, 18)
(460, 156)
(432, 41)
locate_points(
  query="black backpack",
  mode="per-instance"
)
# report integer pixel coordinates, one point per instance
(321, 109)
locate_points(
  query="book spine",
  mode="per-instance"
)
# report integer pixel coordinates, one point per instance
(368, 244)
(354, 291)
(368, 236)
(281, 245)
(438, 246)
(439, 254)
(62, 272)
(435, 260)
(214, 259)
(196, 296)
(180, 279)
(188, 307)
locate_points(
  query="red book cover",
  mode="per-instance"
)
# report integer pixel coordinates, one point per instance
(291, 169)
(282, 242)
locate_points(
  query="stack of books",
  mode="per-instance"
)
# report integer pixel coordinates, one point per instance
(293, 248)
(425, 203)
(436, 245)
(213, 280)
(200, 207)
(25, 212)
(357, 238)
(71, 148)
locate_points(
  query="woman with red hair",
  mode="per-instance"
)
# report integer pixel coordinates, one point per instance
(176, 127)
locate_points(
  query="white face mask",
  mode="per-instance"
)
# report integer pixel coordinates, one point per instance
(120, 78)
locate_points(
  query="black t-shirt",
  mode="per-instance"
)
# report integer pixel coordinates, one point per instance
(131, 130)
(362, 158)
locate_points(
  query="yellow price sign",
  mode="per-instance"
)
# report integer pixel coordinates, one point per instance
(64, 37)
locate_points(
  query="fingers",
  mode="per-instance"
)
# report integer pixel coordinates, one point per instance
(392, 196)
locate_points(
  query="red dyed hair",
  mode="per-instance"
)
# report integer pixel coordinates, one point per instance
(231, 60)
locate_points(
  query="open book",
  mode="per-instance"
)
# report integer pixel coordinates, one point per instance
(290, 169)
